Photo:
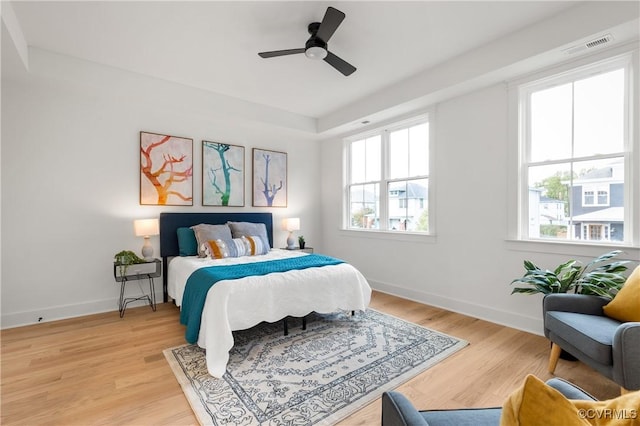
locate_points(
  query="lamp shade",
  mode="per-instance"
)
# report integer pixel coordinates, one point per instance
(146, 227)
(291, 224)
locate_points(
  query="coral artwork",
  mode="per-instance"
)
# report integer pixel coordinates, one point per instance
(166, 170)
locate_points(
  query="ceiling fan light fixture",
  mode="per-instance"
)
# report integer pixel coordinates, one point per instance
(316, 52)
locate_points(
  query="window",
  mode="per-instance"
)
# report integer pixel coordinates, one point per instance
(388, 179)
(595, 196)
(575, 154)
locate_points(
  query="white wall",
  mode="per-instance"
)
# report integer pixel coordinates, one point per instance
(469, 264)
(70, 176)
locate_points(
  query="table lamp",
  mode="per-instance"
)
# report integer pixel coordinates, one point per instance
(145, 228)
(291, 224)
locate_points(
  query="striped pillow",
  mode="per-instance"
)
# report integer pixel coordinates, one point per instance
(249, 245)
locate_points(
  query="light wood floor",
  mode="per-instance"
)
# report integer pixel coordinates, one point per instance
(103, 370)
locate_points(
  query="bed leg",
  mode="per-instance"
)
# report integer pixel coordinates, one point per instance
(286, 326)
(304, 323)
(353, 313)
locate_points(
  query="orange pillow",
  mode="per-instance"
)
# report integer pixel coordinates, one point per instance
(625, 306)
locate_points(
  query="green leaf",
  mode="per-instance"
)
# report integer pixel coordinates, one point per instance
(564, 266)
(529, 266)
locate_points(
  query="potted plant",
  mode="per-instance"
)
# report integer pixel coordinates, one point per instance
(301, 241)
(125, 258)
(601, 277)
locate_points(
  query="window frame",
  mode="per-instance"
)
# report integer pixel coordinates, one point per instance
(615, 58)
(383, 183)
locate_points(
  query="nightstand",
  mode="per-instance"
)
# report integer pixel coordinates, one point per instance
(137, 272)
(306, 249)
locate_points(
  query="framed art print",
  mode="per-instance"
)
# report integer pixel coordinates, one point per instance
(269, 178)
(222, 174)
(166, 170)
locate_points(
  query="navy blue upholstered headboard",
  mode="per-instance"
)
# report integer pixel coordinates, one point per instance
(170, 222)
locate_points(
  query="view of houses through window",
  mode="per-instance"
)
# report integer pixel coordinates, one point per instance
(575, 128)
(388, 183)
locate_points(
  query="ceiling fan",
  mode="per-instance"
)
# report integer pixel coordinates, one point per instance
(316, 46)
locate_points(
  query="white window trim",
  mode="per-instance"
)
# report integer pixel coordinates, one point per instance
(427, 116)
(515, 222)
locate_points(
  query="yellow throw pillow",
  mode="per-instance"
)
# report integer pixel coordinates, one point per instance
(625, 306)
(623, 410)
(537, 404)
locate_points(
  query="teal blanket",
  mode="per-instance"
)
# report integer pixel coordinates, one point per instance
(200, 281)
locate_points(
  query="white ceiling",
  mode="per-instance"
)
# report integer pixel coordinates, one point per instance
(214, 45)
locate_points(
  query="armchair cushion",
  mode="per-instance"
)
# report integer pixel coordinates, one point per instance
(591, 334)
(625, 306)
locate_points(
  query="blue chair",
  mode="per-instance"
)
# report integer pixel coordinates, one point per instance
(577, 324)
(397, 410)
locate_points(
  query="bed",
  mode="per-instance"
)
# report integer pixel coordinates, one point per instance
(237, 304)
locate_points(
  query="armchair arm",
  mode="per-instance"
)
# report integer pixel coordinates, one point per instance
(397, 410)
(569, 390)
(626, 355)
(578, 303)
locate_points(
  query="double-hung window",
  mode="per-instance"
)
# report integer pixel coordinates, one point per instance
(575, 153)
(387, 184)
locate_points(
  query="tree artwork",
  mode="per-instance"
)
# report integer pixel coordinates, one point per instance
(166, 170)
(269, 178)
(222, 174)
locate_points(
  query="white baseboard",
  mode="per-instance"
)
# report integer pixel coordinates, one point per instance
(55, 313)
(487, 313)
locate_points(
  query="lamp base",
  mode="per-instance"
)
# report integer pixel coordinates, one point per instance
(147, 250)
(291, 241)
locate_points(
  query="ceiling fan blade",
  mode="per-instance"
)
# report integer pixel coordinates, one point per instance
(275, 53)
(340, 64)
(332, 19)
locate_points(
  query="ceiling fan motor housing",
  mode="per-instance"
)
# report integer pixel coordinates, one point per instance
(315, 47)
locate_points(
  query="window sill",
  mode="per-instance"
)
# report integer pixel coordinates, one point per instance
(415, 237)
(573, 248)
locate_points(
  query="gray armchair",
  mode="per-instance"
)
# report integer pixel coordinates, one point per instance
(577, 324)
(397, 410)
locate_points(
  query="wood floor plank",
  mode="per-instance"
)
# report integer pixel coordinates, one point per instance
(106, 370)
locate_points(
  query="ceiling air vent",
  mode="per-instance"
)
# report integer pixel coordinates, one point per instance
(600, 41)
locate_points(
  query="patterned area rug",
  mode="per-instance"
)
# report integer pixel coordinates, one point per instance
(316, 376)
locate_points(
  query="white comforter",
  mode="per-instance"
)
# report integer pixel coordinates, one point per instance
(243, 303)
